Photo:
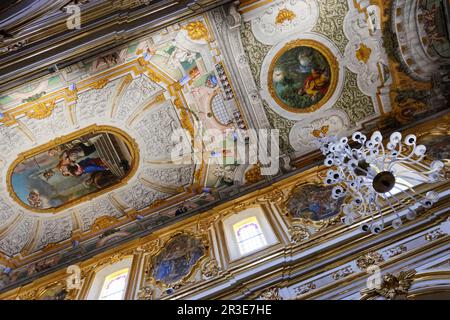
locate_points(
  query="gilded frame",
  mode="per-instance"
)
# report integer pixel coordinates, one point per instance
(130, 143)
(71, 294)
(319, 224)
(149, 267)
(332, 61)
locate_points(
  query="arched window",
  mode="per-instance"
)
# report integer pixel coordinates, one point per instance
(111, 282)
(248, 232)
(114, 286)
(249, 235)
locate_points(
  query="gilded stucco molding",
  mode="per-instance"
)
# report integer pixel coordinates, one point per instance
(299, 233)
(270, 294)
(411, 238)
(45, 105)
(210, 269)
(158, 286)
(369, 259)
(392, 286)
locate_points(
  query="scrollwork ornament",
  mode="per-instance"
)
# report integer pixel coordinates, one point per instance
(342, 273)
(99, 84)
(369, 259)
(41, 110)
(210, 269)
(116, 257)
(299, 233)
(205, 224)
(271, 294)
(392, 286)
(276, 196)
(150, 247)
(30, 295)
(146, 293)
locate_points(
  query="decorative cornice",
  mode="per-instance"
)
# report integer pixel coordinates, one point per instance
(33, 53)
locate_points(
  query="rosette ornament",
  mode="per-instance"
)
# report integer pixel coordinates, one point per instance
(372, 175)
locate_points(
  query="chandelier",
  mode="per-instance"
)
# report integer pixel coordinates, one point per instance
(371, 176)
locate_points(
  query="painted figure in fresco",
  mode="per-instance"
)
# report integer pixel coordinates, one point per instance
(301, 77)
(88, 165)
(70, 170)
(34, 199)
(177, 259)
(306, 61)
(72, 152)
(211, 81)
(110, 59)
(438, 146)
(79, 151)
(429, 22)
(61, 295)
(317, 82)
(432, 18)
(177, 55)
(99, 179)
(313, 202)
(48, 174)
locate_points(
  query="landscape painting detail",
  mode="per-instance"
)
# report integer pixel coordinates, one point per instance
(68, 171)
(300, 78)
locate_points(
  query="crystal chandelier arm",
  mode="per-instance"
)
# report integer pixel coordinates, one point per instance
(411, 154)
(383, 160)
(367, 174)
(372, 215)
(410, 178)
(405, 160)
(391, 205)
(378, 206)
(412, 196)
(411, 161)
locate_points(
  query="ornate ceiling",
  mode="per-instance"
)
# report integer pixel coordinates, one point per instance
(134, 90)
(35, 39)
(304, 67)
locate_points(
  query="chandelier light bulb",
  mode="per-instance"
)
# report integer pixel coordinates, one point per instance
(370, 175)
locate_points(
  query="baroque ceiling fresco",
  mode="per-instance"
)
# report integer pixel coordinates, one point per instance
(91, 146)
(86, 152)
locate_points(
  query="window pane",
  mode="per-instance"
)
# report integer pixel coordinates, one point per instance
(114, 286)
(249, 235)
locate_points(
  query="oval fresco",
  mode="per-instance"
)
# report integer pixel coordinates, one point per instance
(313, 202)
(303, 76)
(72, 168)
(176, 260)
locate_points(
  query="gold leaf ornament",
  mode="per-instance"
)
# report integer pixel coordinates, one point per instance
(41, 110)
(363, 53)
(284, 15)
(197, 31)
